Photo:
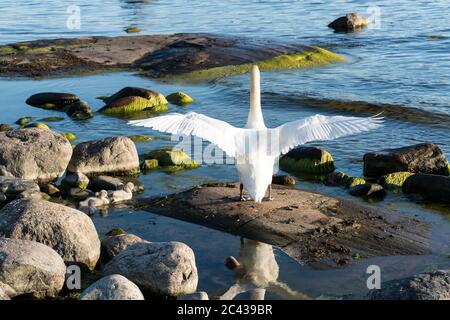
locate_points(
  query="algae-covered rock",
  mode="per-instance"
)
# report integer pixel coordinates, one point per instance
(172, 157)
(394, 180)
(179, 98)
(115, 232)
(307, 160)
(51, 100)
(76, 180)
(448, 170)
(69, 136)
(149, 164)
(79, 110)
(24, 120)
(312, 57)
(5, 127)
(133, 99)
(39, 125)
(140, 138)
(343, 179)
(349, 23)
(132, 30)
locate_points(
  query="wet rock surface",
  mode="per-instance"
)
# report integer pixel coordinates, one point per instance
(113, 287)
(30, 267)
(11, 187)
(424, 286)
(69, 232)
(349, 23)
(34, 154)
(419, 158)
(429, 185)
(156, 55)
(317, 230)
(165, 268)
(310, 160)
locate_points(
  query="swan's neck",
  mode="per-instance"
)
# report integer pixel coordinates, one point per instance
(255, 116)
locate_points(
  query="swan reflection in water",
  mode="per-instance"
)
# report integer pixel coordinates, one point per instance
(256, 271)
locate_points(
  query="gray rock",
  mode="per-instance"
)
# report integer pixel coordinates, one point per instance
(371, 190)
(70, 232)
(424, 286)
(349, 23)
(429, 185)
(32, 194)
(76, 180)
(2, 197)
(7, 291)
(78, 194)
(113, 287)
(166, 268)
(12, 186)
(115, 244)
(419, 158)
(31, 267)
(50, 189)
(116, 155)
(34, 154)
(201, 295)
(5, 127)
(285, 180)
(114, 183)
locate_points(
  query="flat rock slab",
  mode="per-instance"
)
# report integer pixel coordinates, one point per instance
(318, 231)
(157, 55)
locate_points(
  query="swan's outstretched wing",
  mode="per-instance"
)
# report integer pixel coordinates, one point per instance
(321, 127)
(218, 132)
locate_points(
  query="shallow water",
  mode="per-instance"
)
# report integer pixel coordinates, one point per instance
(397, 64)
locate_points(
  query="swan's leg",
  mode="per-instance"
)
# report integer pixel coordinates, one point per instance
(241, 190)
(270, 193)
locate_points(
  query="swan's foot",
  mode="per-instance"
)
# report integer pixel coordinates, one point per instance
(244, 198)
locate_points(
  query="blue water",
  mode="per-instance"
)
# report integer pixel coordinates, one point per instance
(397, 63)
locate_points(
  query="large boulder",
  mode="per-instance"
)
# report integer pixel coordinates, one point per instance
(113, 245)
(133, 99)
(419, 158)
(424, 286)
(115, 155)
(166, 268)
(429, 185)
(309, 160)
(349, 23)
(12, 187)
(113, 287)
(394, 181)
(51, 100)
(34, 154)
(69, 232)
(31, 267)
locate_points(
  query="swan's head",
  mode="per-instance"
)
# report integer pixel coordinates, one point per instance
(91, 203)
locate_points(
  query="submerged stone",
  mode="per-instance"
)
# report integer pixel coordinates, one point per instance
(149, 164)
(132, 104)
(140, 138)
(51, 100)
(179, 99)
(132, 30)
(343, 179)
(307, 160)
(79, 110)
(70, 136)
(370, 190)
(24, 120)
(52, 119)
(172, 157)
(429, 185)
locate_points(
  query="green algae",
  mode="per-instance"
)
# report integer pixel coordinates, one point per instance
(52, 119)
(395, 180)
(115, 232)
(5, 50)
(132, 30)
(24, 120)
(172, 157)
(304, 59)
(140, 138)
(179, 99)
(149, 164)
(37, 125)
(343, 179)
(312, 166)
(70, 136)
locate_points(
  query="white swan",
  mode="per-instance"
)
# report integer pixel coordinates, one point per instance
(122, 195)
(255, 147)
(90, 204)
